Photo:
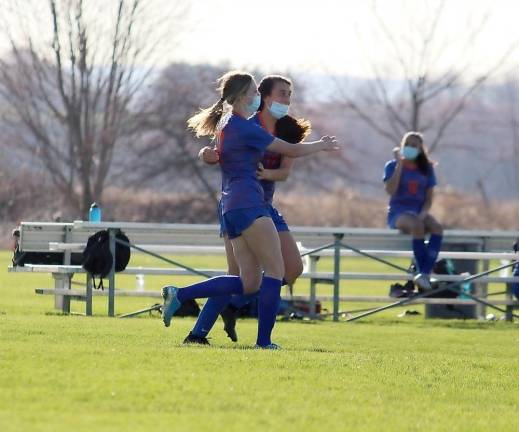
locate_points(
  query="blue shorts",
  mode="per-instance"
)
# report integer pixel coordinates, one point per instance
(392, 217)
(237, 221)
(278, 219)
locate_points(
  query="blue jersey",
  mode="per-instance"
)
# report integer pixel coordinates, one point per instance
(270, 160)
(241, 145)
(412, 189)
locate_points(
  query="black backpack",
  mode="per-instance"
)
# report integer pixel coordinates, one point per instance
(97, 258)
(446, 267)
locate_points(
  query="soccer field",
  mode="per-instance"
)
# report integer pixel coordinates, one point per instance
(63, 373)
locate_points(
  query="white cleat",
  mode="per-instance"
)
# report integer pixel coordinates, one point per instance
(422, 282)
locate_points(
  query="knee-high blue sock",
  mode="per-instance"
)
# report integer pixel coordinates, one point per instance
(420, 255)
(435, 244)
(209, 315)
(241, 300)
(268, 303)
(217, 286)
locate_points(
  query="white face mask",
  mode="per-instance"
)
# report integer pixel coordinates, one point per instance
(410, 153)
(278, 110)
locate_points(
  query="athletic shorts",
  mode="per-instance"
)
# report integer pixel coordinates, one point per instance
(392, 217)
(277, 218)
(237, 221)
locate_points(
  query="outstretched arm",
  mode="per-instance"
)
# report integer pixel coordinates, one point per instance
(326, 143)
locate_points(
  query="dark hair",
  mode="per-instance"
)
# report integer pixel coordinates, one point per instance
(230, 85)
(267, 84)
(422, 160)
(292, 130)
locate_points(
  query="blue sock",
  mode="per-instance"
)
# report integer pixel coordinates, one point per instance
(217, 286)
(209, 315)
(241, 300)
(420, 254)
(435, 244)
(268, 304)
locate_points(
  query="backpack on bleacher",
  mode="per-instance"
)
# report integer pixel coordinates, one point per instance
(97, 258)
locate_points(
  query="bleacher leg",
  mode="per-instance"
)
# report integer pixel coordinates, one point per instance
(336, 274)
(62, 281)
(111, 276)
(88, 306)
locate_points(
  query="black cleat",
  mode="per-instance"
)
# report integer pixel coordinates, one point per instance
(197, 340)
(229, 323)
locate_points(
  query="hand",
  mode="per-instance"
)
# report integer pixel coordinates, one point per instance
(209, 155)
(329, 143)
(261, 172)
(396, 153)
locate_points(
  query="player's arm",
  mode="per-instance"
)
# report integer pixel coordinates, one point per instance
(326, 143)
(429, 195)
(391, 184)
(209, 155)
(278, 174)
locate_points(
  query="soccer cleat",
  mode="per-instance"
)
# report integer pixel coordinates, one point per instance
(271, 346)
(171, 304)
(229, 323)
(192, 339)
(422, 281)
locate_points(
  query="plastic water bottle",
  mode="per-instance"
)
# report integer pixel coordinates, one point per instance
(94, 215)
(139, 282)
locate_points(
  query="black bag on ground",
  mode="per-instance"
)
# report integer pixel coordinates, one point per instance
(444, 266)
(188, 308)
(97, 258)
(398, 290)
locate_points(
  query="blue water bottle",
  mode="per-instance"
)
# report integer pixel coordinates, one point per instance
(94, 215)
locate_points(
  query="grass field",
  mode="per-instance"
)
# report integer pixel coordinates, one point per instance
(63, 373)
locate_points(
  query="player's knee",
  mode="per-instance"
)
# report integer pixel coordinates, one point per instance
(418, 229)
(437, 228)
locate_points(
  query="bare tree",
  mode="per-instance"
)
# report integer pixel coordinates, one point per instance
(166, 152)
(499, 119)
(71, 79)
(425, 95)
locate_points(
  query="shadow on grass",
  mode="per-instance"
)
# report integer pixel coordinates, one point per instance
(238, 347)
(469, 324)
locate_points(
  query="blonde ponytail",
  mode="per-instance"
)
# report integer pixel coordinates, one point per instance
(232, 85)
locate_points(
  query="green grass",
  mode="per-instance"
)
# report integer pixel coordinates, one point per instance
(62, 373)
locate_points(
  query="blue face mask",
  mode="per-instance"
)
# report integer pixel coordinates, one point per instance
(254, 105)
(278, 110)
(410, 153)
